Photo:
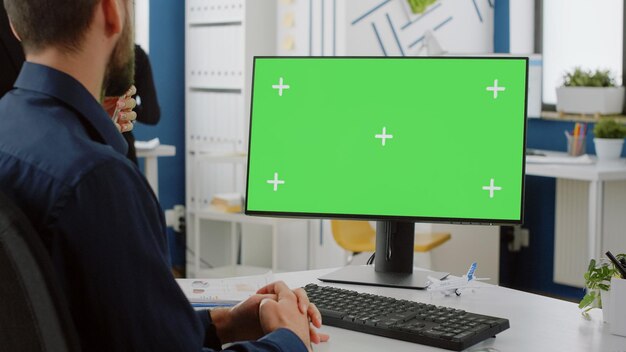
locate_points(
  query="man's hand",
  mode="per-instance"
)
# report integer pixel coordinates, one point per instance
(284, 312)
(305, 306)
(120, 109)
(242, 322)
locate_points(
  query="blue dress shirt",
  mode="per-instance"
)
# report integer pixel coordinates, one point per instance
(63, 162)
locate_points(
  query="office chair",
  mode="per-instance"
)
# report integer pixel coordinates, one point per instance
(33, 312)
(358, 236)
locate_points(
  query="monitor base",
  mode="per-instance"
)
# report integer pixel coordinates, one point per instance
(366, 275)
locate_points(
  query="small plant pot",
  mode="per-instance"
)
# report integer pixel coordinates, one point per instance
(608, 149)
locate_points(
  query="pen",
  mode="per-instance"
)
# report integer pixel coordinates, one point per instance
(617, 264)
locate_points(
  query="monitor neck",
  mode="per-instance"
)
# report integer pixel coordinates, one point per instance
(394, 246)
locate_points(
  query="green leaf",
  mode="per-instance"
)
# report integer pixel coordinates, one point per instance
(587, 300)
(592, 265)
(419, 6)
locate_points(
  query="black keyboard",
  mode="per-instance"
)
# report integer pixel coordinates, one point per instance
(426, 324)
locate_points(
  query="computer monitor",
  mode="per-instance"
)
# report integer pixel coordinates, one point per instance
(397, 140)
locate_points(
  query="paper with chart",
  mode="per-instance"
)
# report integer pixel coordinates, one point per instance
(223, 291)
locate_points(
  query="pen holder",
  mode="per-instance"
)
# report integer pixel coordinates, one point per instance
(617, 306)
(576, 145)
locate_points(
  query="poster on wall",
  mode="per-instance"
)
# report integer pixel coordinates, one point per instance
(385, 27)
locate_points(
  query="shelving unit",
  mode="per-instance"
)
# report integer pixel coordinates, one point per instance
(222, 37)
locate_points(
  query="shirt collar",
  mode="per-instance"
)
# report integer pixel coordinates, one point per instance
(46, 80)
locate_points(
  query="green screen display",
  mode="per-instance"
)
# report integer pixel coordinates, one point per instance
(418, 138)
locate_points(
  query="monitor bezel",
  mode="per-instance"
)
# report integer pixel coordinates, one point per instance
(446, 220)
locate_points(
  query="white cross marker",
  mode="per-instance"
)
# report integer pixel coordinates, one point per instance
(276, 181)
(384, 136)
(495, 89)
(280, 86)
(491, 188)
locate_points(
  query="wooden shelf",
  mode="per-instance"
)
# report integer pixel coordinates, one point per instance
(559, 116)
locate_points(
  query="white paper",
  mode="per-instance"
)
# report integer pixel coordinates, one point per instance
(221, 291)
(147, 145)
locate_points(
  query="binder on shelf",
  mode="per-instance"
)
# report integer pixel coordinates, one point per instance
(228, 202)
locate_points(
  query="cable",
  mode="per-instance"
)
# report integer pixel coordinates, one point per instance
(370, 261)
(202, 261)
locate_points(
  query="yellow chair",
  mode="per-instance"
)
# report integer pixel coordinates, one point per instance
(358, 236)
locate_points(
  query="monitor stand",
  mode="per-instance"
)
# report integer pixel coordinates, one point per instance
(393, 264)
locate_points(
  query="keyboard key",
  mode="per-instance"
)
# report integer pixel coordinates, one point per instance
(433, 333)
(330, 313)
(463, 335)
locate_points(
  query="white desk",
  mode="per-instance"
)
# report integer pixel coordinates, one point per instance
(537, 323)
(596, 174)
(151, 163)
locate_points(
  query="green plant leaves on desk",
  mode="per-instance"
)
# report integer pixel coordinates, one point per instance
(597, 278)
(609, 129)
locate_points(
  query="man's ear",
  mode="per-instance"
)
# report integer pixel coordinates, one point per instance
(113, 16)
(14, 31)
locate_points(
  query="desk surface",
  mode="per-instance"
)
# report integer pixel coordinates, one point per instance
(612, 171)
(538, 323)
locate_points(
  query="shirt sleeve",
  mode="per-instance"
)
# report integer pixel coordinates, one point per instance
(279, 340)
(111, 234)
(149, 111)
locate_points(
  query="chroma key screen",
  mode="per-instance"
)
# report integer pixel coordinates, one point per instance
(388, 138)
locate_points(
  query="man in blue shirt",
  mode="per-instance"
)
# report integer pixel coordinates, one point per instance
(63, 162)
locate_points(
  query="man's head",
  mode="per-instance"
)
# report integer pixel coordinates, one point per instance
(42, 23)
(74, 26)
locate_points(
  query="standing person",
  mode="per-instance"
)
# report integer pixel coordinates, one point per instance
(63, 163)
(147, 109)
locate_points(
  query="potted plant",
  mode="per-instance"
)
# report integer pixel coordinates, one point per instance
(609, 139)
(597, 284)
(587, 92)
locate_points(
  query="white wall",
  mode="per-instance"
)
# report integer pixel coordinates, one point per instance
(142, 24)
(521, 26)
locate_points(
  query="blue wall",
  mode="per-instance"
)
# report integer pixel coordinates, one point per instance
(501, 26)
(167, 56)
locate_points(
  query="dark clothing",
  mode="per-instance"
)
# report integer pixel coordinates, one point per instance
(11, 54)
(148, 110)
(64, 164)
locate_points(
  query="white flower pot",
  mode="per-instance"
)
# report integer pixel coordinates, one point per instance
(605, 297)
(608, 149)
(590, 100)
